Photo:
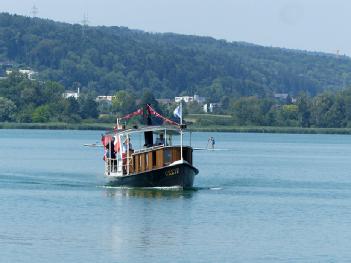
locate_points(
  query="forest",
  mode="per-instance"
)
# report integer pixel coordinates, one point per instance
(108, 59)
(138, 67)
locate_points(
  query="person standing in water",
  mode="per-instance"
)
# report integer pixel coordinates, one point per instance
(211, 143)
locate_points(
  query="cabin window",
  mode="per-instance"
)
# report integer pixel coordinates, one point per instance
(148, 136)
(146, 161)
(169, 140)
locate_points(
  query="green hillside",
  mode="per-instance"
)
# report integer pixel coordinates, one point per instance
(107, 59)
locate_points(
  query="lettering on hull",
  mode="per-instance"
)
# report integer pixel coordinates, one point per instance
(172, 172)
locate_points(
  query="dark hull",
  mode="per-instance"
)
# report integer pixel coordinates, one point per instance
(178, 175)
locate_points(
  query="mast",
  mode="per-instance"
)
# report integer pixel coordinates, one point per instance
(117, 123)
(127, 154)
(181, 130)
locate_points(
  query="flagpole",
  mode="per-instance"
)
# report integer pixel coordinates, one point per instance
(181, 130)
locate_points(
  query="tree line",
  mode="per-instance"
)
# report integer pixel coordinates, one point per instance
(24, 100)
(325, 110)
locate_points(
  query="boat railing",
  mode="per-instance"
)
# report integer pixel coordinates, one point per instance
(113, 166)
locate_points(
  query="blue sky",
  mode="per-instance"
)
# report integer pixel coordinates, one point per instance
(316, 25)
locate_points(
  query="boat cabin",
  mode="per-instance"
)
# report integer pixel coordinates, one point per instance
(133, 151)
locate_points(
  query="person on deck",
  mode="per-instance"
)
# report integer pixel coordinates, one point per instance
(160, 140)
(127, 147)
(111, 154)
(110, 149)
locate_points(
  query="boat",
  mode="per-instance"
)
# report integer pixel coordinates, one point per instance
(157, 162)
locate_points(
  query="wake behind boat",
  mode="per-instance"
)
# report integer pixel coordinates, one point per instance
(156, 163)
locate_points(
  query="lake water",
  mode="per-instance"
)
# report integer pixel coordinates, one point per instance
(271, 198)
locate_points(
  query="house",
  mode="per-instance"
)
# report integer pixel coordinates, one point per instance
(105, 99)
(284, 98)
(187, 99)
(210, 107)
(4, 66)
(28, 72)
(71, 94)
(281, 96)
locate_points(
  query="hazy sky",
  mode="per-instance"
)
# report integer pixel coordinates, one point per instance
(317, 25)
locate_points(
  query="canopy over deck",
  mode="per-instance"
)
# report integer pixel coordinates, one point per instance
(171, 130)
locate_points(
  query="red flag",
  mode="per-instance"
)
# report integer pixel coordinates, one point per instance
(153, 112)
(135, 113)
(106, 139)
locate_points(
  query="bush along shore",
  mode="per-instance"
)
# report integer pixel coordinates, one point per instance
(193, 128)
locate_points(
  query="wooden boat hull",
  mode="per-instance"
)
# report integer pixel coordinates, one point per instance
(181, 175)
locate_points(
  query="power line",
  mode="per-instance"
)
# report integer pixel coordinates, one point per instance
(85, 24)
(34, 11)
(85, 21)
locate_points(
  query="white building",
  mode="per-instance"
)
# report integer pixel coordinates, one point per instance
(28, 72)
(71, 94)
(104, 98)
(282, 96)
(188, 99)
(209, 107)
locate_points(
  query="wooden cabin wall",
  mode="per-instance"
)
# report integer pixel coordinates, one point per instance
(132, 164)
(149, 167)
(187, 154)
(136, 164)
(159, 158)
(175, 154)
(144, 161)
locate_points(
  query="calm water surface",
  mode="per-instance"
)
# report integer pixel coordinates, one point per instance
(272, 198)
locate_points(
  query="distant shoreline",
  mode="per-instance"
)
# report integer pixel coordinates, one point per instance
(272, 129)
(214, 128)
